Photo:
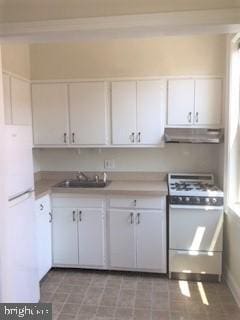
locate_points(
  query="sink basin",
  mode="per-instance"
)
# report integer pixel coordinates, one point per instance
(82, 184)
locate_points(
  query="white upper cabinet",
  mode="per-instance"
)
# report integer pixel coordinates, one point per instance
(50, 114)
(208, 101)
(137, 112)
(150, 112)
(195, 102)
(180, 102)
(7, 99)
(21, 102)
(17, 101)
(124, 108)
(88, 113)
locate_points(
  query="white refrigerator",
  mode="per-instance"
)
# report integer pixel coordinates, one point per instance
(19, 270)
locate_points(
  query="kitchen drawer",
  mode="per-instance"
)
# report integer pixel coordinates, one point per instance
(143, 203)
(203, 262)
(76, 201)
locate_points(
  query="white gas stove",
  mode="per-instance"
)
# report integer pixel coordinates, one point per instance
(195, 226)
(192, 189)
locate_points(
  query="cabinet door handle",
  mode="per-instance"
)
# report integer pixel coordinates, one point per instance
(50, 215)
(132, 137)
(190, 117)
(41, 207)
(139, 137)
(138, 218)
(65, 137)
(131, 217)
(196, 117)
(73, 137)
(134, 203)
(80, 216)
(74, 216)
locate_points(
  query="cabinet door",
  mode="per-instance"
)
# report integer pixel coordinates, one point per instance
(88, 112)
(124, 106)
(208, 101)
(21, 102)
(7, 99)
(91, 237)
(150, 113)
(65, 236)
(180, 102)
(50, 113)
(122, 239)
(151, 240)
(44, 235)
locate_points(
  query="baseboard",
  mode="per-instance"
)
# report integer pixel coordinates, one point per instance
(235, 289)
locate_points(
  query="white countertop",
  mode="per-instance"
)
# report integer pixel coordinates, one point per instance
(124, 187)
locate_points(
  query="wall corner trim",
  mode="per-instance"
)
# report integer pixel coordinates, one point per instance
(231, 283)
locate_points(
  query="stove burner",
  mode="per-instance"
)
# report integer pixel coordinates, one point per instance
(184, 186)
(192, 190)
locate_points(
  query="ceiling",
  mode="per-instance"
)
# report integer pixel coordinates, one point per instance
(40, 10)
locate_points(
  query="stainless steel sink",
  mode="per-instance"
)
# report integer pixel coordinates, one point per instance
(82, 184)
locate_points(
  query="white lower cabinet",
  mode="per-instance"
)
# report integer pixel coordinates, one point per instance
(127, 238)
(65, 236)
(44, 235)
(91, 237)
(137, 239)
(78, 232)
(151, 240)
(121, 239)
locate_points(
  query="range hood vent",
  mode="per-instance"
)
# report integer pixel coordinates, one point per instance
(193, 135)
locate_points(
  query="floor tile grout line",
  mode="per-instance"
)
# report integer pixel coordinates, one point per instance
(213, 290)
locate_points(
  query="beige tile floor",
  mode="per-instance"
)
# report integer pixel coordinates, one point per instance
(85, 295)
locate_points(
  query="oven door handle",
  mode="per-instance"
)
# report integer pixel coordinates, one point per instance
(196, 253)
(192, 207)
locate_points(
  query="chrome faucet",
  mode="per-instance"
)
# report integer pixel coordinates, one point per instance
(82, 176)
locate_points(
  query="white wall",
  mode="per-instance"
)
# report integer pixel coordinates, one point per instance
(174, 157)
(173, 56)
(16, 59)
(29, 10)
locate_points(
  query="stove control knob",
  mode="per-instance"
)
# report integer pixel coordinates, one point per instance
(207, 200)
(180, 199)
(198, 200)
(214, 200)
(187, 199)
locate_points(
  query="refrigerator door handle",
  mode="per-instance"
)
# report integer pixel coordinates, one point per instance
(20, 197)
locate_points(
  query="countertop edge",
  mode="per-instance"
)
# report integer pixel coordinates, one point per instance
(43, 188)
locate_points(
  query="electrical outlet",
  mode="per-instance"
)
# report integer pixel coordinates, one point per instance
(109, 164)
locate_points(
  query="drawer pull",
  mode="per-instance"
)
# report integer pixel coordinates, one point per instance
(138, 218)
(74, 216)
(131, 216)
(139, 137)
(73, 137)
(65, 137)
(132, 137)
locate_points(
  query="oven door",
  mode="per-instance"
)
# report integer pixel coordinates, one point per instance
(195, 229)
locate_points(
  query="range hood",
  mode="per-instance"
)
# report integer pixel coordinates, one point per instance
(193, 135)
